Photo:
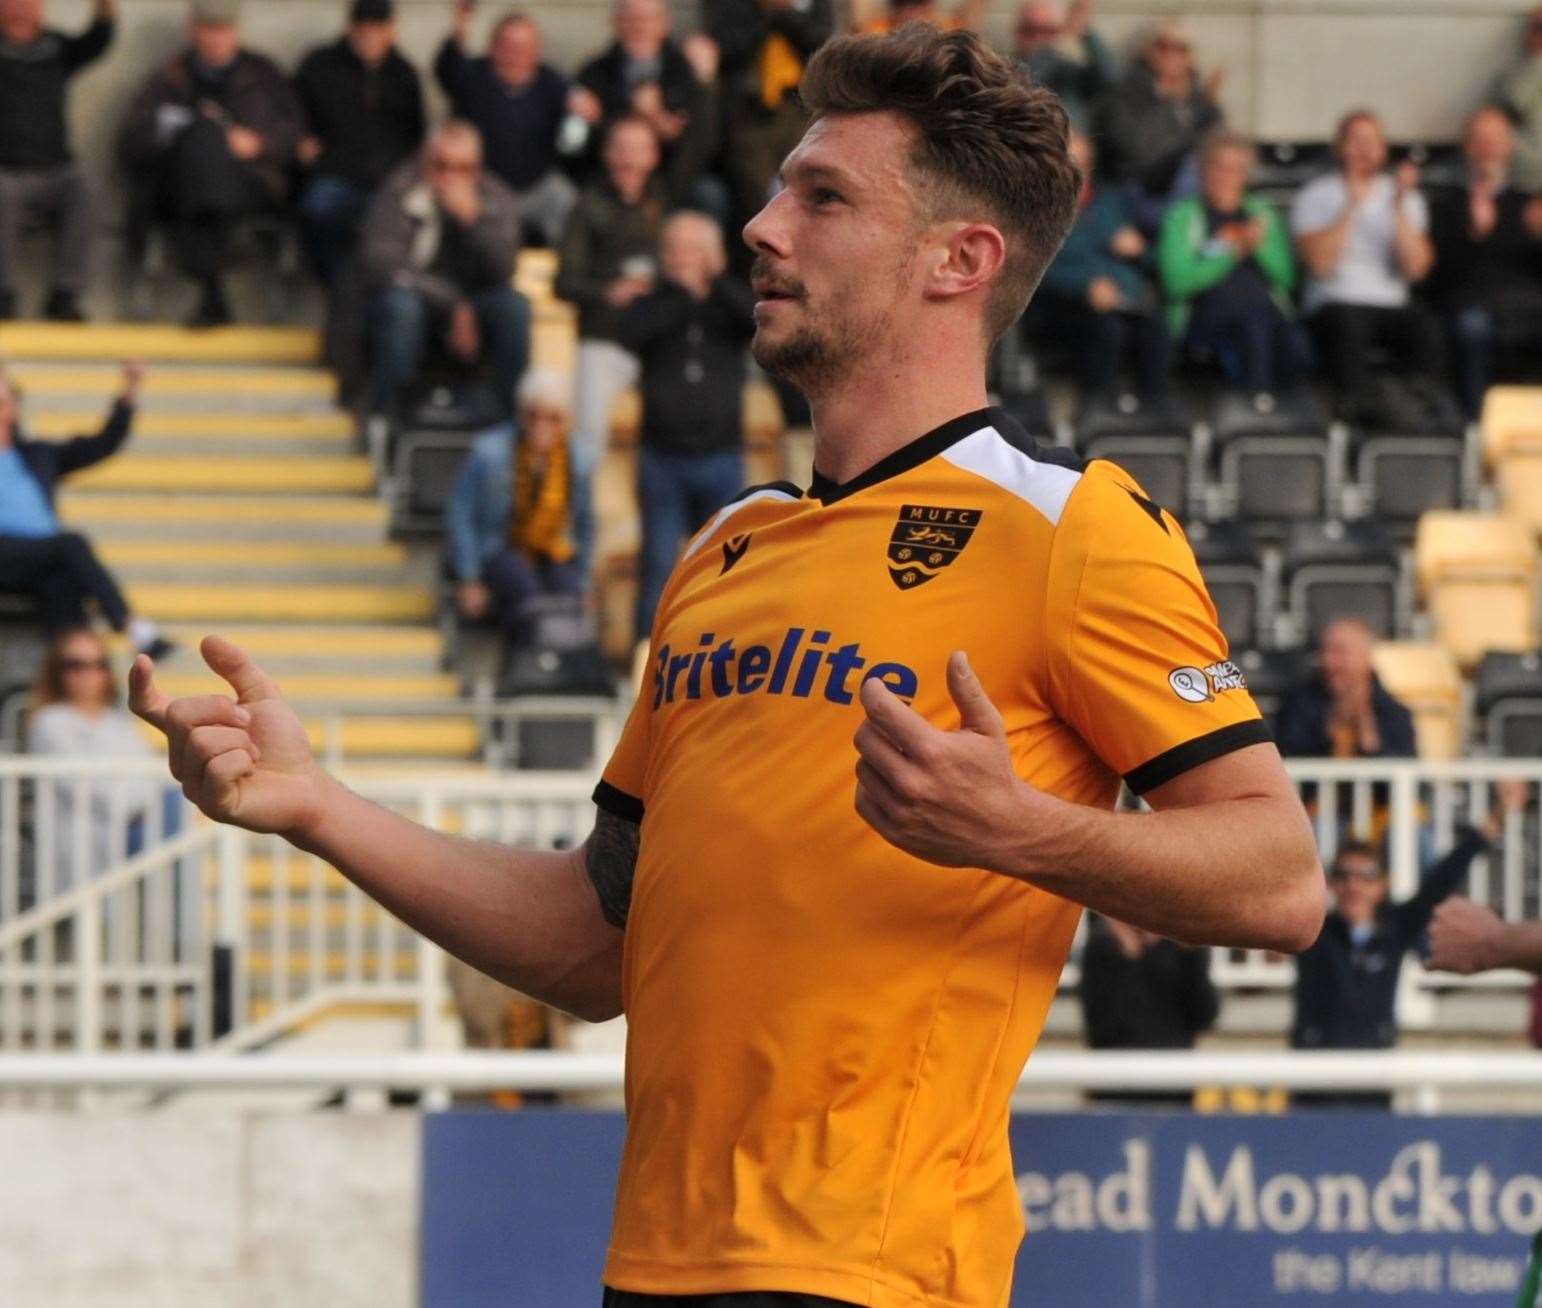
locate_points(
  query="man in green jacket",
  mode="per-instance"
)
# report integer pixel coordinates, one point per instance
(1227, 272)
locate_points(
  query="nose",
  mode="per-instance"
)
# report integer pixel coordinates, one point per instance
(766, 233)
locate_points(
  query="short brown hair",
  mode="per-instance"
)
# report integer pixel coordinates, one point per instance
(49, 686)
(986, 139)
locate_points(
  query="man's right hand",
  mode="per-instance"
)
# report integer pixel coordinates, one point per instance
(1103, 294)
(624, 290)
(245, 761)
(465, 339)
(472, 599)
(462, 21)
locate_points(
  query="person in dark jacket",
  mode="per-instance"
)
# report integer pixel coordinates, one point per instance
(1346, 983)
(1343, 710)
(37, 556)
(1059, 50)
(209, 140)
(38, 173)
(520, 105)
(363, 107)
(689, 334)
(1139, 991)
(1487, 276)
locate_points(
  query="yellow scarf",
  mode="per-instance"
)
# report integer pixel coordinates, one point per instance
(781, 68)
(539, 525)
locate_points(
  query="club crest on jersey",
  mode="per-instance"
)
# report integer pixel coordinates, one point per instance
(925, 540)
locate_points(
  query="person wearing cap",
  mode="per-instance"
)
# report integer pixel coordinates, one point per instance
(209, 140)
(364, 116)
(38, 174)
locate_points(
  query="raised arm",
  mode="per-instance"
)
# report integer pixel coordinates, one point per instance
(533, 919)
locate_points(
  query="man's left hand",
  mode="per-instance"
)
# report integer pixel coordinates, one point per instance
(465, 340)
(949, 797)
(133, 380)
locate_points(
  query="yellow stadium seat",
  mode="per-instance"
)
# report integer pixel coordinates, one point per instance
(1477, 572)
(1426, 678)
(1511, 421)
(1519, 477)
(615, 505)
(536, 273)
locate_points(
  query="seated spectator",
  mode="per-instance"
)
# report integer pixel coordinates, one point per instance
(1227, 270)
(508, 517)
(1487, 278)
(75, 714)
(439, 246)
(1518, 91)
(363, 107)
(607, 260)
(1058, 50)
(762, 48)
(210, 140)
(519, 105)
(689, 334)
(1157, 118)
(1098, 297)
(37, 556)
(1140, 991)
(1343, 710)
(1346, 983)
(1363, 235)
(39, 177)
(643, 73)
(966, 14)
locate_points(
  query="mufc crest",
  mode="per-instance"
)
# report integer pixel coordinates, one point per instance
(927, 539)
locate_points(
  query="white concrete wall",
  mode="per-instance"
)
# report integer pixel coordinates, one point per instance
(194, 1210)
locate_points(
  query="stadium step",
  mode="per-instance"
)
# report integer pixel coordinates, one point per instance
(426, 737)
(336, 688)
(255, 603)
(212, 434)
(403, 964)
(149, 560)
(202, 473)
(286, 650)
(278, 517)
(157, 342)
(180, 387)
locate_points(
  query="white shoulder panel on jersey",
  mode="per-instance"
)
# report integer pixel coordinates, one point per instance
(728, 510)
(987, 453)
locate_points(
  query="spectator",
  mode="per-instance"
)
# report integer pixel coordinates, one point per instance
(1487, 278)
(1343, 710)
(1467, 938)
(608, 260)
(37, 556)
(762, 47)
(644, 73)
(509, 513)
(439, 244)
(965, 15)
(1156, 119)
(689, 334)
(1058, 49)
(519, 105)
(210, 140)
(38, 173)
(1346, 983)
(363, 107)
(1139, 991)
(1098, 297)
(1362, 235)
(75, 714)
(1227, 270)
(1519, 93)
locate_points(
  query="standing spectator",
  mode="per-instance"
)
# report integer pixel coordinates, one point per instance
(1156, 119)
(643, 73)
(519, 105)
(1098, 296)
(1140, 991)
(1487, 278)
(763, 46)
(689, 334)
(1518, 92)
(608, 259)
(1346, 983)
(1059, 50)
(37, 556)
(210, 140)
(1227, 271)
(439, 245)
(1343, 710)
(38, 173)
(364, 117)
(1363, 236)
(508, 516)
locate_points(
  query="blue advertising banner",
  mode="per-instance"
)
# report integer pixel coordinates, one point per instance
(1140, 1211)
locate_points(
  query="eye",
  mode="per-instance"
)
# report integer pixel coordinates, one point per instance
(823, 195)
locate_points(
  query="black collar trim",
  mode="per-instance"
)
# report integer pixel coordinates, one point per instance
(905, 458)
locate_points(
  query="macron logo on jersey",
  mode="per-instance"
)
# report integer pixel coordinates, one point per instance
(800, 664)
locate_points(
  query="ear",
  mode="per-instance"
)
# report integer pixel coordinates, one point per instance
(967, 258)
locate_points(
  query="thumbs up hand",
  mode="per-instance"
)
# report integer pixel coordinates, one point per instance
(949, 797)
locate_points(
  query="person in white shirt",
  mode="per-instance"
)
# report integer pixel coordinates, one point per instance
(1362, 233)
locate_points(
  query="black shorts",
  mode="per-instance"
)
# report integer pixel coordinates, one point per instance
(750, 1299)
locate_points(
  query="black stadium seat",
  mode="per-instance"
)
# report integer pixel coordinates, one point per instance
(1235, 575)
(1508, 700)
(1156, 448)
(1270, 673)
(1276, 465)
(1342, 569)
(1400, 476)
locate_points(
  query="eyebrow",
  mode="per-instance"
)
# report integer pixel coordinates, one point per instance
(812, 172)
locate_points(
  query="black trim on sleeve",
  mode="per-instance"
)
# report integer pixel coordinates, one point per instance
(1180, 758)
(618, 803)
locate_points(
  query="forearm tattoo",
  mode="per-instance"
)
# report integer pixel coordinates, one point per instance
(611, 857)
